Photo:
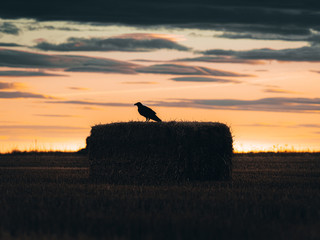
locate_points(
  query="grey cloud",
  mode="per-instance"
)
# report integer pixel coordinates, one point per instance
(9, 28)
(112, 44)
(204, 79)
(309, 54)
(13, 58)
(103, 69)
(18, 94)
(220, 59)
(306, 105)
(89, 103)
(27, 74)
(176, 69)
(7, 85)
(277, 90)
(9, 45)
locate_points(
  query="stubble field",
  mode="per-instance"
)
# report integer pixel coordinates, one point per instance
(270, 196)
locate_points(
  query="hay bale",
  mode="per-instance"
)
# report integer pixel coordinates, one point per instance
(155, 153)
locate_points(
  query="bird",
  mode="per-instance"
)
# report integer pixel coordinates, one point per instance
(147, 112)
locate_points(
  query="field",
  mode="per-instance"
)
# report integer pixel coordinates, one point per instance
(270, 196)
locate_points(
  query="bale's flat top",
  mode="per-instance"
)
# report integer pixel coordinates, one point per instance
(172, 124)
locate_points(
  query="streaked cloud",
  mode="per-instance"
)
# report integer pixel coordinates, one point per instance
(278, 90)
(9, 28)
(28, 74)
(22, 59)
(176, 69)
(54, 115)
(18, 94)
(139, 82)
(5, 44)
(203, 79)
(144, 43)
(79, 88)
(306, 105)
(220, 59)
(9, 85)
(307, 54)
(91, 103)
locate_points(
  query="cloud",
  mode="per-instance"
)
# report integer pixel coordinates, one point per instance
(89, 103)
(305, 105)
(220, 59)
(146, 44)
(54, 115)
(38, 127)
(139, 82)
(141, 12)
(78, 88)
(22, 59)
(301, 105)
(277, 90)
(10, 45)
(18, 94)
(7, 85)
(203, 79)
(9, 28)
(307, 54)
(176, 69)
(27, 74)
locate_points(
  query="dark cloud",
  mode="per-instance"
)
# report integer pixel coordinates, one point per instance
(112, 44)
(143, 12)
(203, 79)
(34, 27)
(220, 59)
(277, 90)
(9, 45)
(274, 20)
(308, 54)
(27, 74)
(103, 69)
(306, 105)
(9, 28)
(89, 103)
(176, 69)
(302, 105)
(7, 85)
(21, 59)
(17, 94)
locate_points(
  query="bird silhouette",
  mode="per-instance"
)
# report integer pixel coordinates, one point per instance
(147, 112)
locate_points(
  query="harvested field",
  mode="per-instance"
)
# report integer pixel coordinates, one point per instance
(270, 196)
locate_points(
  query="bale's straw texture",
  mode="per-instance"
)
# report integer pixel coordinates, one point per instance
(155, 153)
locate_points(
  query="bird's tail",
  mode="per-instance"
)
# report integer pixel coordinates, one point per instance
(156, 118)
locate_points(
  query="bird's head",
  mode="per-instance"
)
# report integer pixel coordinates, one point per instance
(138, 104)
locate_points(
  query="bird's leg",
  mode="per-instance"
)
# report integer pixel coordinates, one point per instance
(147, 119)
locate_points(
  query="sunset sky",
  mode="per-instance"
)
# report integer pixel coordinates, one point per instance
(254, 66)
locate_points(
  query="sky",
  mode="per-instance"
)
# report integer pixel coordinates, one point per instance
(254, 66)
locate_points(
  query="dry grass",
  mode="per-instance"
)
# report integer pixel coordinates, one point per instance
(271, 196)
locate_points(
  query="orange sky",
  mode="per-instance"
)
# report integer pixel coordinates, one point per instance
(55, 84)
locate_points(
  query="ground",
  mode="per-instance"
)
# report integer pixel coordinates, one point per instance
(270, 196)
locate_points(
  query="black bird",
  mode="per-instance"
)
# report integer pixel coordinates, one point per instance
(148, 113)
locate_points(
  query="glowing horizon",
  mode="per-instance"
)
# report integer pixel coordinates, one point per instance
(59, 78)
